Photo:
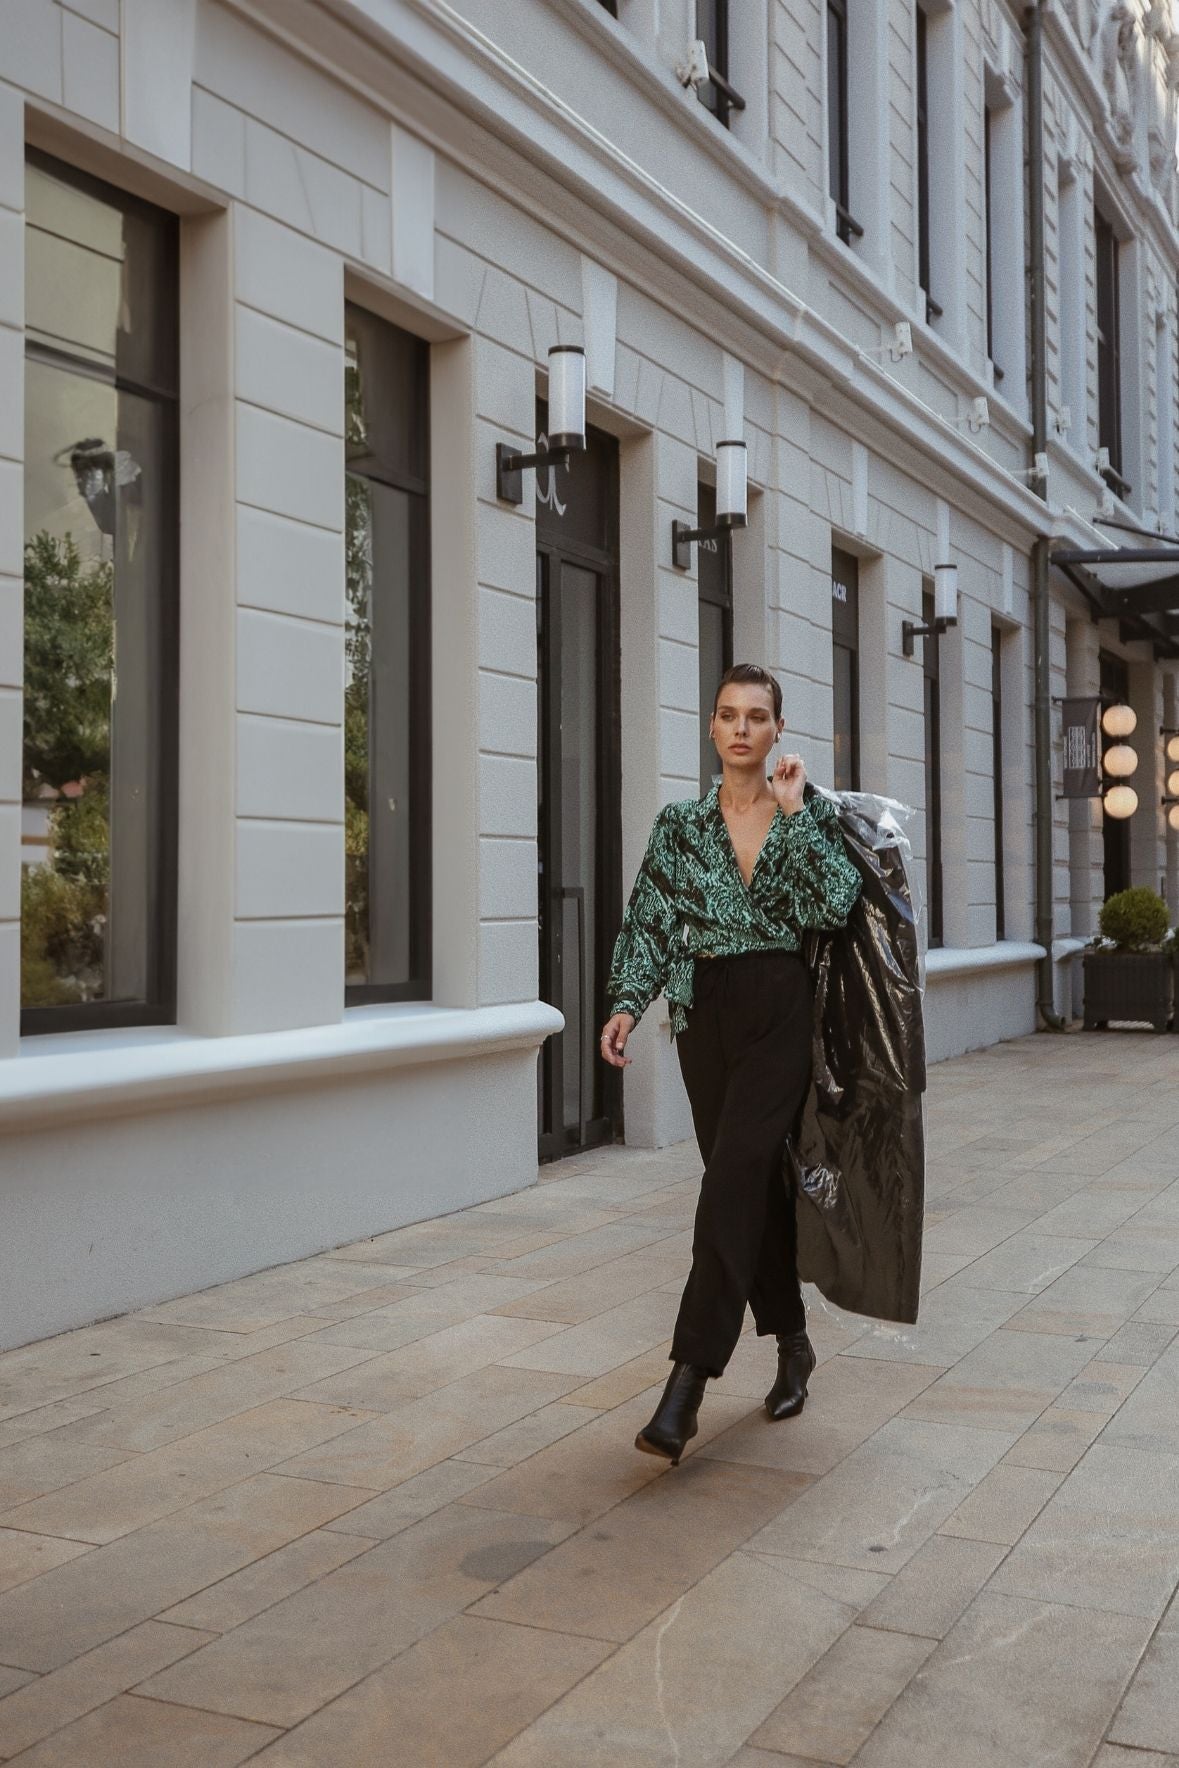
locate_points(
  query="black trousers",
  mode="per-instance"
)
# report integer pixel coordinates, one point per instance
(746, 1061)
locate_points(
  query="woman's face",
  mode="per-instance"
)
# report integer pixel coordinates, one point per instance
(743, 726)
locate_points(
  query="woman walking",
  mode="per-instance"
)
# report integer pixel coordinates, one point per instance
(727, 886)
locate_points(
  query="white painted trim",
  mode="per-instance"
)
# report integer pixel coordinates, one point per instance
(1006, 954)
(55, 1080)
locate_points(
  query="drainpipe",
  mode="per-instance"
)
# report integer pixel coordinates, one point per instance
(1045, 1003)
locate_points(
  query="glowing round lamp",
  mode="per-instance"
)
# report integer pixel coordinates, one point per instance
(1173, 784)
(1120, 761)
(1121, 801)
(1173, 749)
(1119, 721)
(1173, 816)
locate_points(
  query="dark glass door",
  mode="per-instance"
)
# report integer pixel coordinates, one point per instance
(579, 806)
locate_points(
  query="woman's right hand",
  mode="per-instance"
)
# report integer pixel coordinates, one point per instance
(614, 1035)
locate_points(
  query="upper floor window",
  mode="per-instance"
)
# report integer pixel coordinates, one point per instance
(989, 233)
(838, 124)
(924, 274)
(714, 576)
(99, 777)
(845, 641)
(716, 93)
(1109, 364)
(610, 6)
(387, 662)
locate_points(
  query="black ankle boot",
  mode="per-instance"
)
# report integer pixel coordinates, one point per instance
(674, 1423)
(796, 1359)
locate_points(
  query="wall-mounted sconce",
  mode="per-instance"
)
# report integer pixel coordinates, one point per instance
(1119, 762)
(945, 608)
(1038, 470)
(1171, 754)
(732, 491)
(566, 424)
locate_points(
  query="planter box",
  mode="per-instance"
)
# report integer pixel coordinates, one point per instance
(1128, 985)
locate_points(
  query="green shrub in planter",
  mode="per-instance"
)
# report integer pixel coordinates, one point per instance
(1131, 980)
(1135, 919)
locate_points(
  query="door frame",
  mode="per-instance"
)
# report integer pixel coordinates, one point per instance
(603, 562)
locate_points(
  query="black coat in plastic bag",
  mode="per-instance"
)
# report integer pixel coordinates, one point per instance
(856, 1157)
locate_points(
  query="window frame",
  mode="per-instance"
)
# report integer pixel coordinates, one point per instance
(838, 125)
(713, 596)
(849, 642)
(716, 42)
(997, 637)
(419, 985)
(932, 709)
(159, 1007)
(1107, 307)
(989, 236)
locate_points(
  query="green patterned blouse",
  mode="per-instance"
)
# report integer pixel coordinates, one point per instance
(690, 897)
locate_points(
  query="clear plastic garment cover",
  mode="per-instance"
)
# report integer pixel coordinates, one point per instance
(856, 1157)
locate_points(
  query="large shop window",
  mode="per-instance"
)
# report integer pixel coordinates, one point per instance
(387, 662)
(99, 775)
(845, 646)
(1109, 367)
(933, 774)
(714, 573)
(997, 774)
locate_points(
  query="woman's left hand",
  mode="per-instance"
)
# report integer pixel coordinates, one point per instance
(787, 782)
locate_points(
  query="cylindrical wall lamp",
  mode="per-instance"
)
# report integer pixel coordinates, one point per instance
(566, 424)
(945, 608)
(732, 494)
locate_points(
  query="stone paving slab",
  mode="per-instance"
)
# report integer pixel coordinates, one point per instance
(383, 1505)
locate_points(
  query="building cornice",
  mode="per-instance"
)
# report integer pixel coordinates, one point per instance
(510, 132)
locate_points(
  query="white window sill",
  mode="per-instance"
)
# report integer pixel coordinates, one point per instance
(83, 1075)
(1006, 954)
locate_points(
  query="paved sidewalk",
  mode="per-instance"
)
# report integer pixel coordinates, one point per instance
(382, 1507)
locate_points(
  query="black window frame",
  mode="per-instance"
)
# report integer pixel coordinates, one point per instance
(845, 637)
(931, 673)
(989, 235)
(838, 128)
(924, 278)
(384, 471)
(713, 590)
(717, 94)
(160, 1004)
(1107, 278)
(997, 636)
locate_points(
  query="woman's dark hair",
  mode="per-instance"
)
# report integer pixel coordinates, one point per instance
(754, 675)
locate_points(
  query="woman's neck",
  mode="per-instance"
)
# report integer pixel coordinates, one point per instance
(742, 788)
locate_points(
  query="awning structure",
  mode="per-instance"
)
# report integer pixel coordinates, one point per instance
(1136, 585)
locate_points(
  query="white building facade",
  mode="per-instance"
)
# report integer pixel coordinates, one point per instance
(296, 711)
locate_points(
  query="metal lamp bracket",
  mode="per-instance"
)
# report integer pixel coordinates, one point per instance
(682, 537)
(910, 630)
(510, 465)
